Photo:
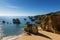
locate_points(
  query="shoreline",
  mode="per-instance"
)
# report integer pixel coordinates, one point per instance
(44, 35)
(13, 37)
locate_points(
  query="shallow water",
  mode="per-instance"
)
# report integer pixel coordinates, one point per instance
(11, 29)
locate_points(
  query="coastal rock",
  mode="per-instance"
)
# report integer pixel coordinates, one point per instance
(26, 28)
(38, 20)
(16, 21)
(51, 23)
(32, 19)
(3, 21)
(35, 17)
(34, 29)
(30, 28)
(25, 19)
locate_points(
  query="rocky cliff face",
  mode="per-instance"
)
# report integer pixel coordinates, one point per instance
(51, 23)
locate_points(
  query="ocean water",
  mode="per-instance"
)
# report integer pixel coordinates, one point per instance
(11, 29)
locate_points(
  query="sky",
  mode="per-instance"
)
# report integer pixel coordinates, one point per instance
(28, 7)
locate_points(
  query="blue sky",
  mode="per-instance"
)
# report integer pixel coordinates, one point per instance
(28, 7)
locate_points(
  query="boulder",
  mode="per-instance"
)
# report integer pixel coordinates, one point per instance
(31, 28)
(16, 21)
(26, 28)
(34, 29)
(3, 21)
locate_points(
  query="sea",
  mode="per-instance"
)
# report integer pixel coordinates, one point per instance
(10, 29)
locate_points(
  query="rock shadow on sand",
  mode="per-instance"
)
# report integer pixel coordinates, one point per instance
(40, 34)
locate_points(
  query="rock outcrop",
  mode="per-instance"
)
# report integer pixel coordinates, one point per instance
(51, 23)
(25, 19)
(34, 29)
(16, 21)
(3, 21)
(31, 28)
(38, 20)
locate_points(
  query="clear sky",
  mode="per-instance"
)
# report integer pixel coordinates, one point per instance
(28, 7)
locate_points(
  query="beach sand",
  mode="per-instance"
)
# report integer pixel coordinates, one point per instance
(43, 35)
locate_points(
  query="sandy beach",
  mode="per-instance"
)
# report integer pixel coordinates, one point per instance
(43, 35)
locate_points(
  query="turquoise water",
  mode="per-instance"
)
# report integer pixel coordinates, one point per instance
(11, 29)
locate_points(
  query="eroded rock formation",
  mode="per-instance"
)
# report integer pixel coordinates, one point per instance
(16, 21)
(51, 23)
(31, 28)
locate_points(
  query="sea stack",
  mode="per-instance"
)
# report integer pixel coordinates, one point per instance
(51, 23)
(25, 19)
(3, 21)
(16, 21)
